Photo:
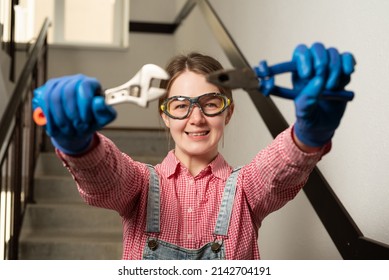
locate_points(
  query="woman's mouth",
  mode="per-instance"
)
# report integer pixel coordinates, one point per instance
(197, 134)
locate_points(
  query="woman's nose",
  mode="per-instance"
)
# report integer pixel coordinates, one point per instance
(196, 116)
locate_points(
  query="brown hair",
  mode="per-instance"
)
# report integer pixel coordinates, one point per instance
(195, 62)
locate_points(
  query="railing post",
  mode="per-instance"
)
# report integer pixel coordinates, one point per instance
(16, 182)
(32, 136)
(12, 48)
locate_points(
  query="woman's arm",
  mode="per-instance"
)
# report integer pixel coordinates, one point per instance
(106, 177)
(277, 174)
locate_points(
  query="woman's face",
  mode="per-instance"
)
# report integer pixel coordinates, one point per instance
(197, 135)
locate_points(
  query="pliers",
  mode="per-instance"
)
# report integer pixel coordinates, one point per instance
(262, 78)
(137, 90)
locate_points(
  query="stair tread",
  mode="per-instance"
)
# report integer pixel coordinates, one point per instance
(66, 245)
(60, 225)
(47, 236)
(70, 216)
(70, 205)
(50, 165)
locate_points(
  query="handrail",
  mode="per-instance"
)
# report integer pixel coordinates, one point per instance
(344, 232)
(20, 144)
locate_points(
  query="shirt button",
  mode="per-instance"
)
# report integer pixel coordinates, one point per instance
(189, 236)
(190, 210)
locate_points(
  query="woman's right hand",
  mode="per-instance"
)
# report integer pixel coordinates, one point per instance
(74, 111)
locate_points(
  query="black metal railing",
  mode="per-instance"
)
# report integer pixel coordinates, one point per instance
(20, 142)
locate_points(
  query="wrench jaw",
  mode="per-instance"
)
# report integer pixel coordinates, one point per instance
(122, 94)
(155, 93)
(139, 89)
(152, 71)
(127, 95)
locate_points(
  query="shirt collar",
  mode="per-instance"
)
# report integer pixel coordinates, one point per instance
(219, 167)
(170, 164)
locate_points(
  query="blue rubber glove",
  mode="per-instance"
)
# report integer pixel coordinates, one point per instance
(319, 68)
(73, 110)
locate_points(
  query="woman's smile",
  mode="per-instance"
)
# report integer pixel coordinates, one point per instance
(197, 133)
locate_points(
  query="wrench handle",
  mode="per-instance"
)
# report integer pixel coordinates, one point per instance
(39, 117)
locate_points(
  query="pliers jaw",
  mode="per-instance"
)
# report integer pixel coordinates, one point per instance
(139, 89)
(234, 78)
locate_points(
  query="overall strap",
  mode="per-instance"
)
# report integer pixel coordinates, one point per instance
(224, 216)
(153, 203)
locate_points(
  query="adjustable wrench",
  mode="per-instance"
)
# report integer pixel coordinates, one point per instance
(138, 90)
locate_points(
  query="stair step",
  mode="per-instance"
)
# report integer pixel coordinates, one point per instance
(49, 164)
(70, 231)
(70, 245)
(135, 142)
(139, 142)
(61, 188)
(59, 225)
(55, 189)
(77, 216)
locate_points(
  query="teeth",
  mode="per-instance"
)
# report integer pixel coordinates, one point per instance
(199, 133)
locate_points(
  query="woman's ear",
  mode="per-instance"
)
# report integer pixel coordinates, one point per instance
(230, 111)
(166, 120)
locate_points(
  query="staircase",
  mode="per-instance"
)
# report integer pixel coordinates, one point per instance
(60, 225)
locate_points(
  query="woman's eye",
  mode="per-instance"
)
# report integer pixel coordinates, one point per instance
(180, 106)
(211, 105)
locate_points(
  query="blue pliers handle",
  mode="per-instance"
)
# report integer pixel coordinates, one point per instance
(267, 83)
(262, 78)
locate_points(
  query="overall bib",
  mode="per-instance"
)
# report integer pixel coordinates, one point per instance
(156, 249)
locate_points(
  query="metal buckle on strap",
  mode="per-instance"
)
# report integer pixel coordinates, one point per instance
(152, 243)
(216, 245)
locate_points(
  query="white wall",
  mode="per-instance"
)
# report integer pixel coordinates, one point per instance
(115, 67)
(356, 168)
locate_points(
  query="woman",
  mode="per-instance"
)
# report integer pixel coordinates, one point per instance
(194, 205)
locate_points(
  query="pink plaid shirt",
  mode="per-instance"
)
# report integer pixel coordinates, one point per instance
(189, 205)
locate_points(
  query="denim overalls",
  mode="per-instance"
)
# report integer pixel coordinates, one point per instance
(156, 249)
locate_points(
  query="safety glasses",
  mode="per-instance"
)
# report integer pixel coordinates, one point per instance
(210, 104)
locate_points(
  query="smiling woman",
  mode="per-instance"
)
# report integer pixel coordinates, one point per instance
(193, 205)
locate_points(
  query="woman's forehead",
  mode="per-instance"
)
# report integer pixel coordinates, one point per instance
(191, 84)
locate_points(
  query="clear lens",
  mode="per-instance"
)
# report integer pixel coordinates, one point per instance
(178, 107)
(211, 104)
